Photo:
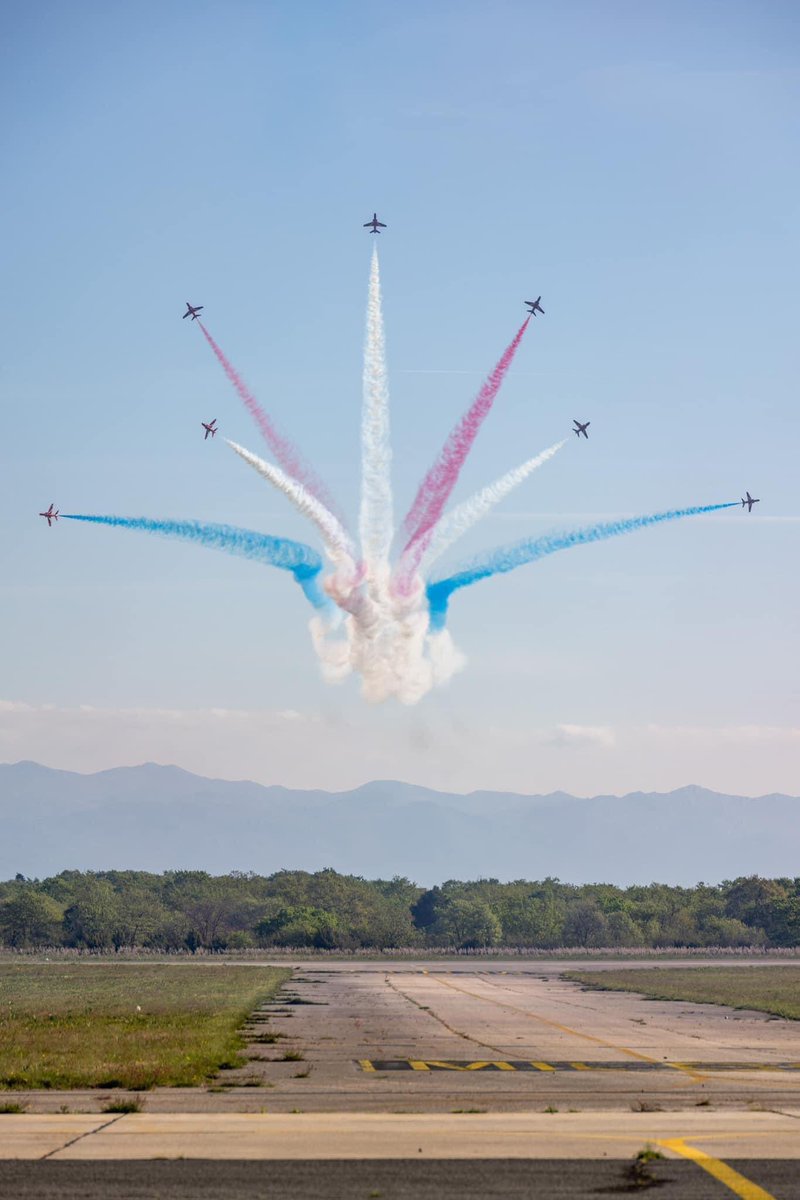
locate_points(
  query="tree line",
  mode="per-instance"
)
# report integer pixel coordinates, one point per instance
(192, 910)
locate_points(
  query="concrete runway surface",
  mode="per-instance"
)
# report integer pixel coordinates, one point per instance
(526, 1083)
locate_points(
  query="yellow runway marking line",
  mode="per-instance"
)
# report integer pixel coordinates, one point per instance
(365, 1064)
(744, 1188)
(588, 1037)
(541, 1066)
(473, 1066)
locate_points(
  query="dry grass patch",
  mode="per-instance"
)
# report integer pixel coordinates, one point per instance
(767, 989)
(137, 1027)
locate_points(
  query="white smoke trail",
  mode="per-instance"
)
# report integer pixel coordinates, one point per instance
(337, 542)
(455, 524)
(375, 516)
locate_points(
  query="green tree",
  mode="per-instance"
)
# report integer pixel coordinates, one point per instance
(92, 918)
(532, 920)
(207, 904)
(30, 918)
(586, 925)
(141, 918)
(680, 929)
(623, 930)
(767, 904)
(728, 931)
(301, 925)
(467, 924)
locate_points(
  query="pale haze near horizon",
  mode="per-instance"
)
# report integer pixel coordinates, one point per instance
(637, 165)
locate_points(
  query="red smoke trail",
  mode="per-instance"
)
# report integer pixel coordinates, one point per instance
(435, 489)
(281, 447)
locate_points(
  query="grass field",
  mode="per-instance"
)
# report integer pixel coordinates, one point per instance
(767, 989)
(99, 1025)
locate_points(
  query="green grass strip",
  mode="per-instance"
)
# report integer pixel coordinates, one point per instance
(132, 1026)
(774, 989)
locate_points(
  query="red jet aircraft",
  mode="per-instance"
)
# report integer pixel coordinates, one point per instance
(192, 312)
(51, 515)
(210, 428)
(374, 225)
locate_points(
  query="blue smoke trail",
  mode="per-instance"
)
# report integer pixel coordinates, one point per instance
(508, 558)
(301, 560)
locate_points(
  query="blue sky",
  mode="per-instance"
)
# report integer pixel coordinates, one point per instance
(636, 164)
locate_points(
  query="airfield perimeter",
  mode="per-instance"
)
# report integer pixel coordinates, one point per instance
(474, 1059)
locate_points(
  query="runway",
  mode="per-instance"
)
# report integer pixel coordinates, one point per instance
(380, 1068)
(396, 1037)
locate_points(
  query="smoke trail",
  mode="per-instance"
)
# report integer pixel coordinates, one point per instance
(456, 523)
(301, 560)
(508, 558)
(375, 518)
(287, 455)
(437, 485)
(336, 539)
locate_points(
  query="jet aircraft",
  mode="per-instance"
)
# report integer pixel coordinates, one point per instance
(581, 429)
(51, 515)
(374, 225)
(192, 311)
(750, 501)
(534, 306)
(210, 428)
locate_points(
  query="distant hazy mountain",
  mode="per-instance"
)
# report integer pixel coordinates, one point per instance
(156, 818)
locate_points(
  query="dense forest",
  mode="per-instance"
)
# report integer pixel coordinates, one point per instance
(192, 911)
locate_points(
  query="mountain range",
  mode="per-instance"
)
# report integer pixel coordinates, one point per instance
(157, 818)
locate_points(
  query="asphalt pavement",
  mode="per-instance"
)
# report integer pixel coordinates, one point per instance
(392, 1179)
